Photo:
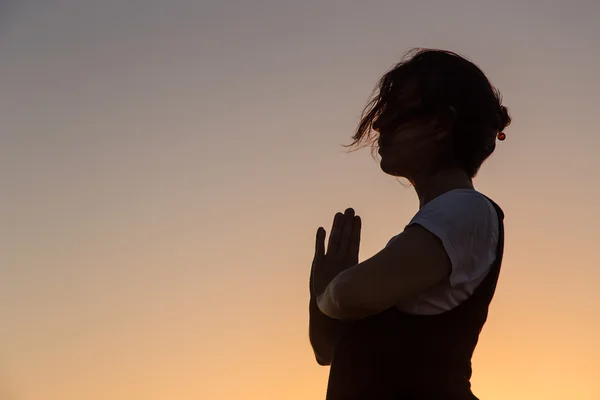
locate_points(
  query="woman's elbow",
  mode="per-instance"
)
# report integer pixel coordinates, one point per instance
(322, 347)
(323, 361)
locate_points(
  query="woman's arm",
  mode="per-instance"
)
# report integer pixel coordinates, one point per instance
(342, 252)
(323, 332)
(412, 263)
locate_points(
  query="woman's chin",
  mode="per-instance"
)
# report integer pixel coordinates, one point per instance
(388, 168)
(393, 169)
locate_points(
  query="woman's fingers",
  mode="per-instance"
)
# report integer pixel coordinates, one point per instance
(346, 234)
(355, 239)
(320, 244)
(318, 259)
(335, 234)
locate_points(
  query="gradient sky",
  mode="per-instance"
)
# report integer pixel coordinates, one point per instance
(164, 165)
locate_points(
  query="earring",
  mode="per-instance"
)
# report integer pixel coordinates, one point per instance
(501, 136)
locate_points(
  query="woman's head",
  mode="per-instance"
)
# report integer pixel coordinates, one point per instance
(433, 110)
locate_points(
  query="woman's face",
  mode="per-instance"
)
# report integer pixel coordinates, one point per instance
(410, 137)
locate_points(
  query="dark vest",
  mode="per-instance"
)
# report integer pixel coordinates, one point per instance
(395, 355)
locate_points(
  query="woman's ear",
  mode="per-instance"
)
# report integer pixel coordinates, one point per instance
(445, 122)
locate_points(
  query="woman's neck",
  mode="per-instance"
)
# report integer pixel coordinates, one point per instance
(431, 186)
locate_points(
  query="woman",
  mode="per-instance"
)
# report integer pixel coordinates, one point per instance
(404, 323)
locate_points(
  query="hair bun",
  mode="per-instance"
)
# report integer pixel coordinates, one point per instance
(504, 118)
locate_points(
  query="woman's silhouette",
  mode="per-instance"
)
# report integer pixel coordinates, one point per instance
(404, 323)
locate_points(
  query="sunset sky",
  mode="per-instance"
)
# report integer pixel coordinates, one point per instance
(165, 164)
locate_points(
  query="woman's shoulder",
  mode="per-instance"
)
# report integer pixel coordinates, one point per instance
(466, 223)
(464, 206)
(471, 197)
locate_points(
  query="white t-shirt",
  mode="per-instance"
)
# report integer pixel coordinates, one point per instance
(466, 222)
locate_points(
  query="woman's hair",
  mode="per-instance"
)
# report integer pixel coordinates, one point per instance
(446, 84)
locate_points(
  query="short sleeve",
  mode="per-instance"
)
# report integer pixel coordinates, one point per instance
(466, 223)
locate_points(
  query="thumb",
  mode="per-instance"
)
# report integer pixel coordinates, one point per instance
(320, 243)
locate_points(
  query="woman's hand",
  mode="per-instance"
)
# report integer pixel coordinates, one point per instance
(342, 251)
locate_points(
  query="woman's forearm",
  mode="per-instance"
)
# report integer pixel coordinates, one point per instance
(323, 333)
(341, 299)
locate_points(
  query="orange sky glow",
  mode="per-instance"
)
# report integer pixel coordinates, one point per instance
(165, 165)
